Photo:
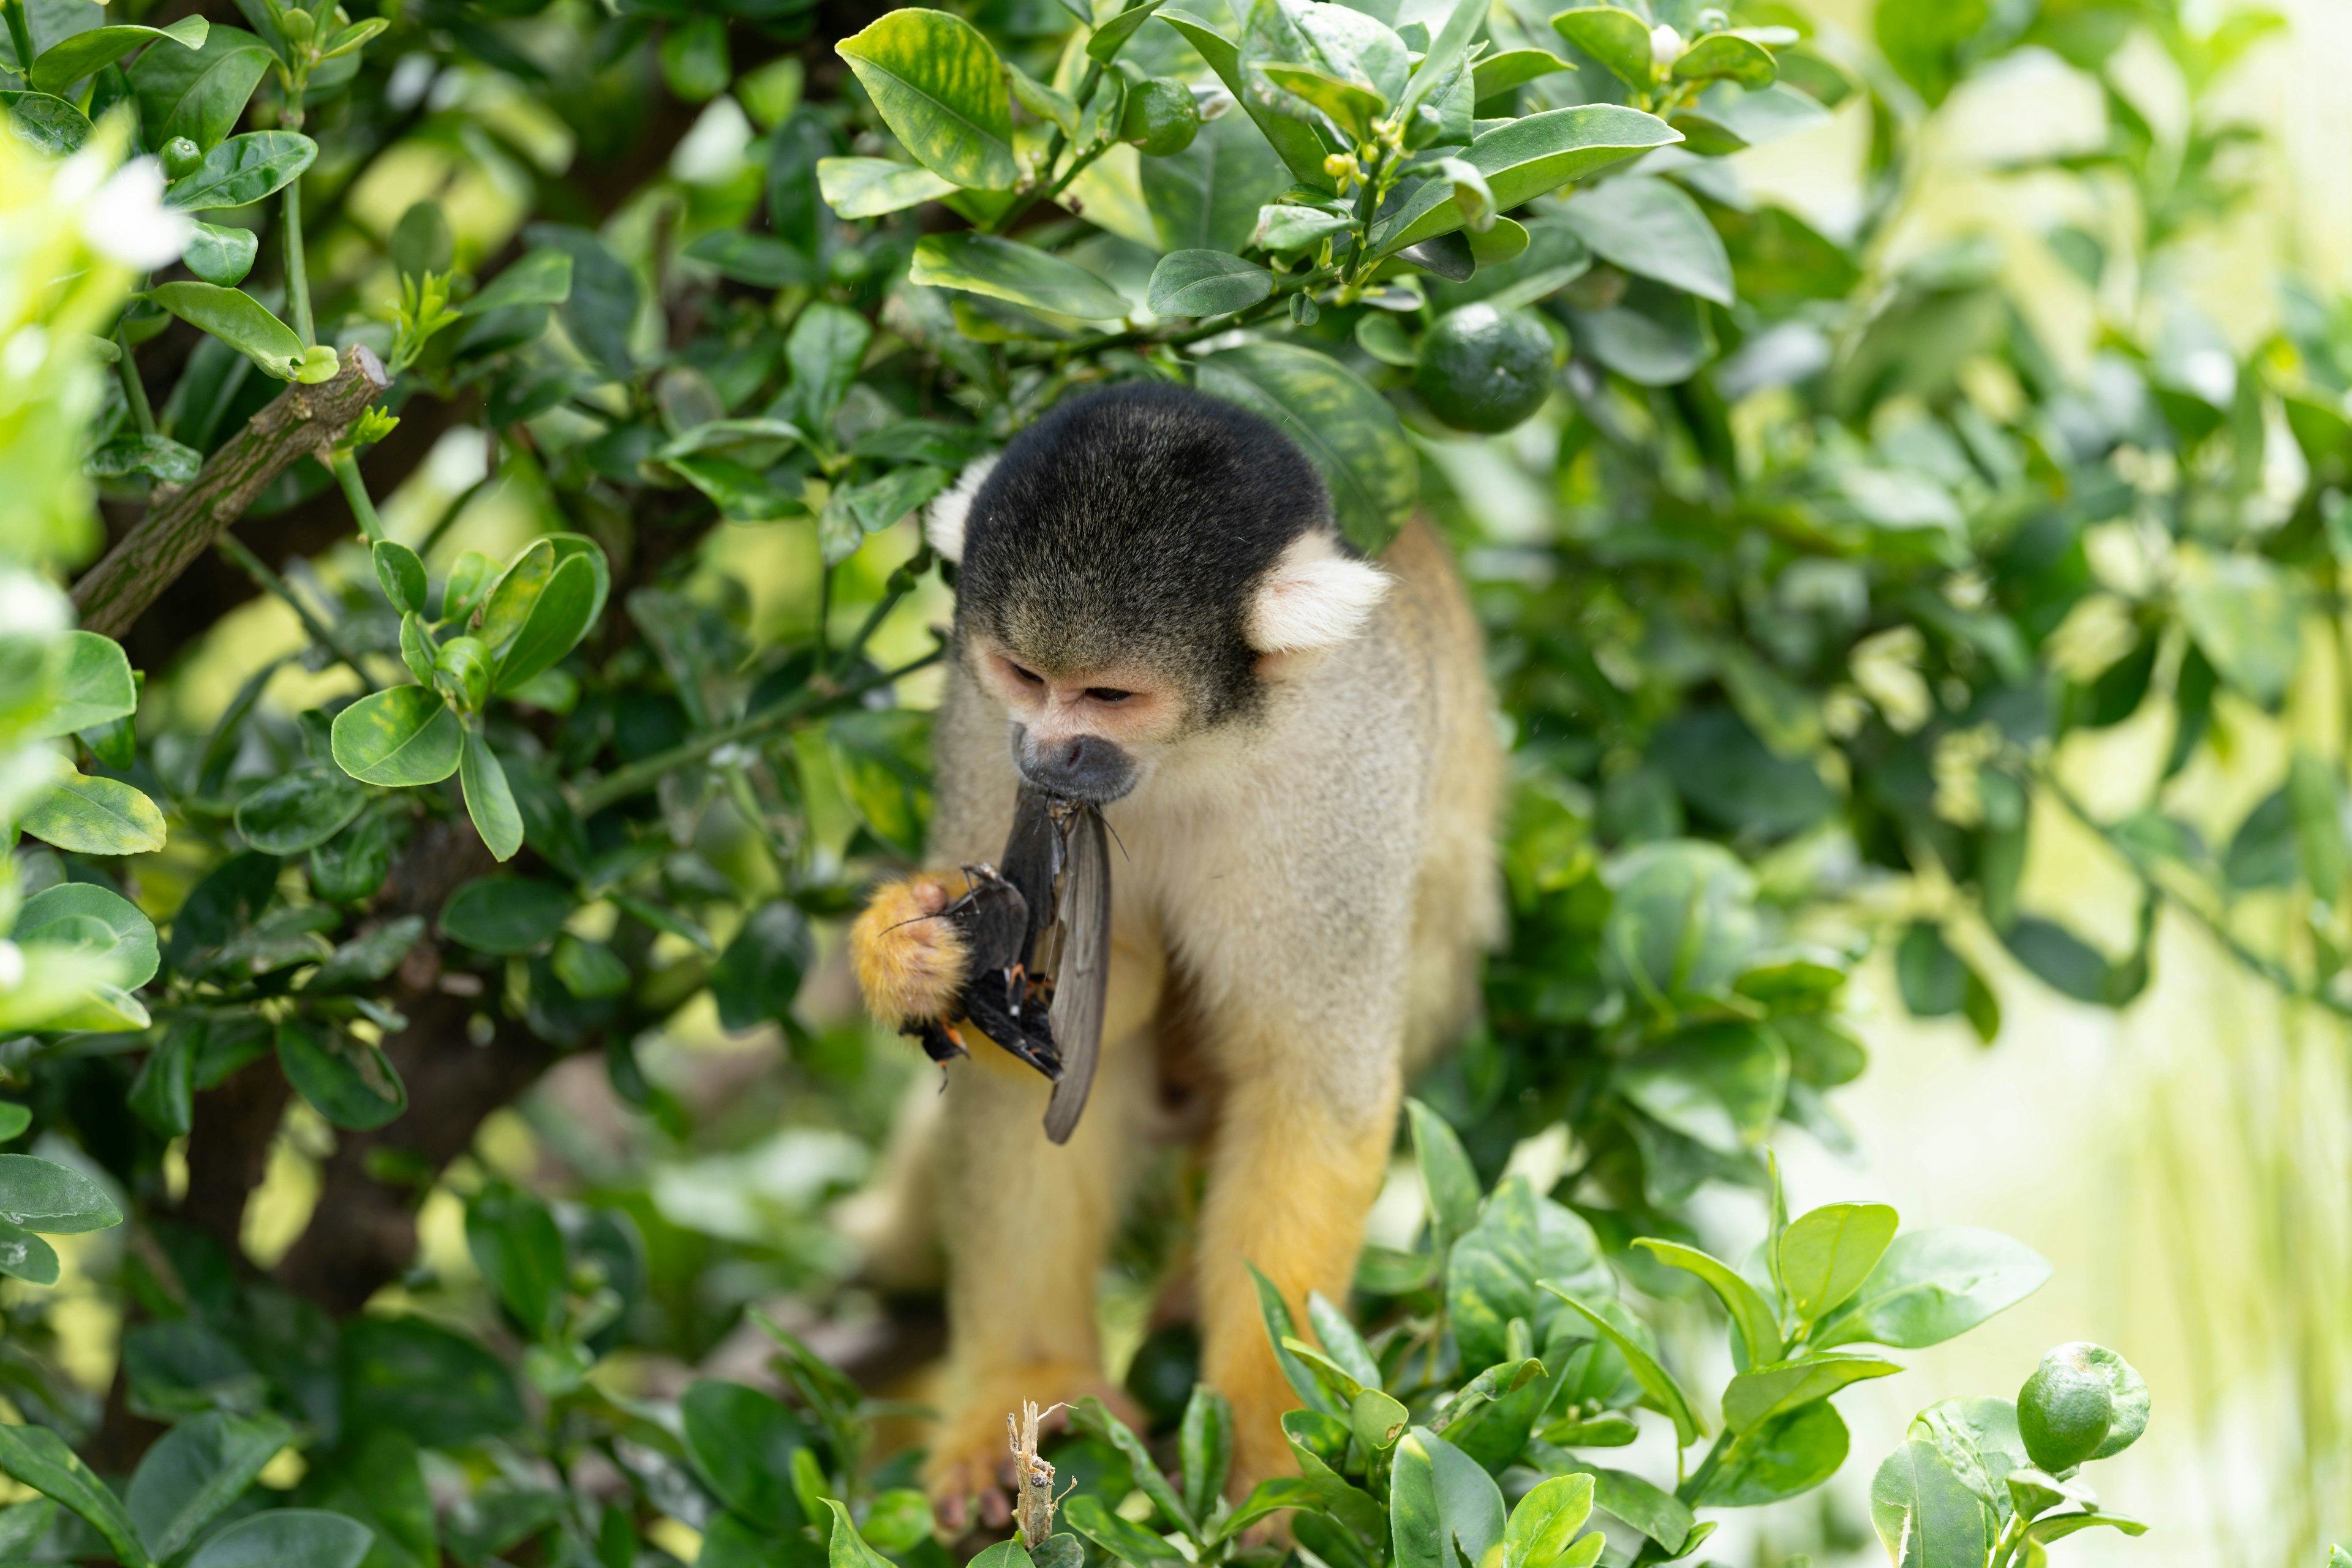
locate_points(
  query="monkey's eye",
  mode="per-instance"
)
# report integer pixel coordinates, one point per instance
(1107, 694)
(1027, 677)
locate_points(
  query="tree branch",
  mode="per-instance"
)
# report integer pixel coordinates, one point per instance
(303, 421)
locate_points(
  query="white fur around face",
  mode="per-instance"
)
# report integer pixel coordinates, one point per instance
(943, 520)
(1314, 598)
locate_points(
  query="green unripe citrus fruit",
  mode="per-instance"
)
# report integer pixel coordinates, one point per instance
(1484, 369)
(2063, 1410)
(1160, 118)
(182, 158)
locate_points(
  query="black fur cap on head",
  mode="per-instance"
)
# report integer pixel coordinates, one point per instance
(1132, 526)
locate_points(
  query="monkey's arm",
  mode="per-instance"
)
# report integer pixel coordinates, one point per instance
(910, 965)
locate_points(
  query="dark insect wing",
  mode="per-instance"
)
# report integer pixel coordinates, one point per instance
(1082, 982)
(1033, 856)
(995, 921)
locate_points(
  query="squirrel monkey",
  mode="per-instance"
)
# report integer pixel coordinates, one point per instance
(1293, 748)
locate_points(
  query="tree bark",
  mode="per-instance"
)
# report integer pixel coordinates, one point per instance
(303, 421)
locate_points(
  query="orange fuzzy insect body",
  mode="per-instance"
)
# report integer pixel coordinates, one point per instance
(920, 971)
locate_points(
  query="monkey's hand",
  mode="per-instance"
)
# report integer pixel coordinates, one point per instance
(910, 965)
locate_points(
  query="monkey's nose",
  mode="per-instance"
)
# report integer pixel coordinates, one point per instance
(1084, 767)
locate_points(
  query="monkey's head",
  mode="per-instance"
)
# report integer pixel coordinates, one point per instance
(1142, 565)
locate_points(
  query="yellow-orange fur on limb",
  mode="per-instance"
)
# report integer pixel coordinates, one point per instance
(909, 964)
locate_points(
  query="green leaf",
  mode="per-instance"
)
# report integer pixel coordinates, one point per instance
(199, 93)
(1544, 1522)
(1619, 39)
(439, 1388)
(1113, 35)
(367, 959)
(1792, 1453)
(400, 574)
(24, 1255)
(1440, 64)
(2246, 616)
(743, 1440)
(195, 1470)
(237, 320)
(243, 170)
(1730, 58)
(760, 259)
(506, 914)
(96, 816)
(287, 1538)
(869, 187)
(1350, 107)
(221, 256)
(1761, 1393)
(346, 1080)
(1447, 1175)
(1498, 1271)
(1091, 1518)
(1205, 1450)
(488, 800)
(826, 344)
(159, 457)
(1719, 1084)
(1091, 1416)
(39, 1458)
(1301, 149)
(299, 810)
(1007, 269)
(46, 122)
(1444, 1509)
(1655, 1381)
(54, 1199)
(2057, 1527)
(1827, 1253)
(1205, 283)
(82, 54)
(1348, 431)
(15, 1118)
(556, 621)
(879, 760)
(1333, 44)
(2316, 796)
(600, 310)
(1500, 72)
(407, 735)
(514, 1242)
(1526, 159)
(1924, 1515)
(939, 87)
(757, 977)
(1647, 225)
(93, 684)
(536, 277)
(1932, 1284)
(1281, 1330)
(1751, 1316)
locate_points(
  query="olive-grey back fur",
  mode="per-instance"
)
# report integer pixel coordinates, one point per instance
(1131, 525)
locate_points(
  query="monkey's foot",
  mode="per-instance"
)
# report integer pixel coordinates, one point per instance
(910, 965)
(971, 1459)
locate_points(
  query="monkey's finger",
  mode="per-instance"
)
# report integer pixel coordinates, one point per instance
(995, 1508)
(954, 1513)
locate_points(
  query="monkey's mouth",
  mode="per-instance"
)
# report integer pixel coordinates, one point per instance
(1085, 768)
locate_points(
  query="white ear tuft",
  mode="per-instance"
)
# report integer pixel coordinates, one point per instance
(1314, 598)
(943, 520)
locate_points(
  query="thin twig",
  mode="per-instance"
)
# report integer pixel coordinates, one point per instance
(346, 466)
(253, 566)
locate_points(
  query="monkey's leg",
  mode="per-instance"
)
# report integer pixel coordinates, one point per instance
(1027, 1225)
(1293, 1170)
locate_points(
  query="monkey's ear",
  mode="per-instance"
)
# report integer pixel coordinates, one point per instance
(943, 520)
(1313, 599)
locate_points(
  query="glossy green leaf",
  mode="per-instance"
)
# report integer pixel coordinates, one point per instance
(1301, 149)
(1443, 1508)
(56, 1200)
(1281, 1330)
(1655, 1381)
(1447, 1178)
(243, 170)
(1022, 274)
(1112, 36)
(1789, 1454)
(1090, 1415)
(757, 977)
(1205, 283)
(1648, 225)
(1934, 1283)
(1346, 48)
(237, 320)
(199, 93)
(1775, 1388)
(1544, 1523)
(1719, 1084)
(513, 1240)
(46, 122)
(1828, 1252)
(400, 574)
(299, 810)
(195, 1470)
(506, 914)
(1728, 57)
(1348, 431)
(287, 1538)
(1618, 38)
(77, 55)
(1497, 1270)
(825, 348)
(40, 1459)
(869, 187)
(24, 1255)
(96, 816)
(1923, 1514)
(1526, 159)
(536, 277)
(346, 1080)
(416, 1377)
(1091, 1518)
(368, 958)
(941, 90)
(743, 1440)
(2245, 614)
(407, 735)
(91, 684)
(556, 621)
(1751, 1316)
(220, 255)
(1204, 1448)
(1507, 69)
(488, 799)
